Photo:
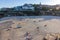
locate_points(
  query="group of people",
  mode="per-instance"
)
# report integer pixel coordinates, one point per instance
(28, 36)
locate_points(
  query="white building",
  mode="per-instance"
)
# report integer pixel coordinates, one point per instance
(28, 7)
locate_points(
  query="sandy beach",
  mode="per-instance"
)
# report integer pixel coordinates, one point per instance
(14, 28)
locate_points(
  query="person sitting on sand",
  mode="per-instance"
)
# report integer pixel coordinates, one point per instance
(44, 38)
(45, 25)
(28, 36)
(56, 38)
(37, 29)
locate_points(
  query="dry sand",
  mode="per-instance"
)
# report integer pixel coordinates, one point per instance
(28, 25)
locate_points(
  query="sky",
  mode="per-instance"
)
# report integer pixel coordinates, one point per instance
(12, 3)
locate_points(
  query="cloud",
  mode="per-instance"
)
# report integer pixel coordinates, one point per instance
(55, 1)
